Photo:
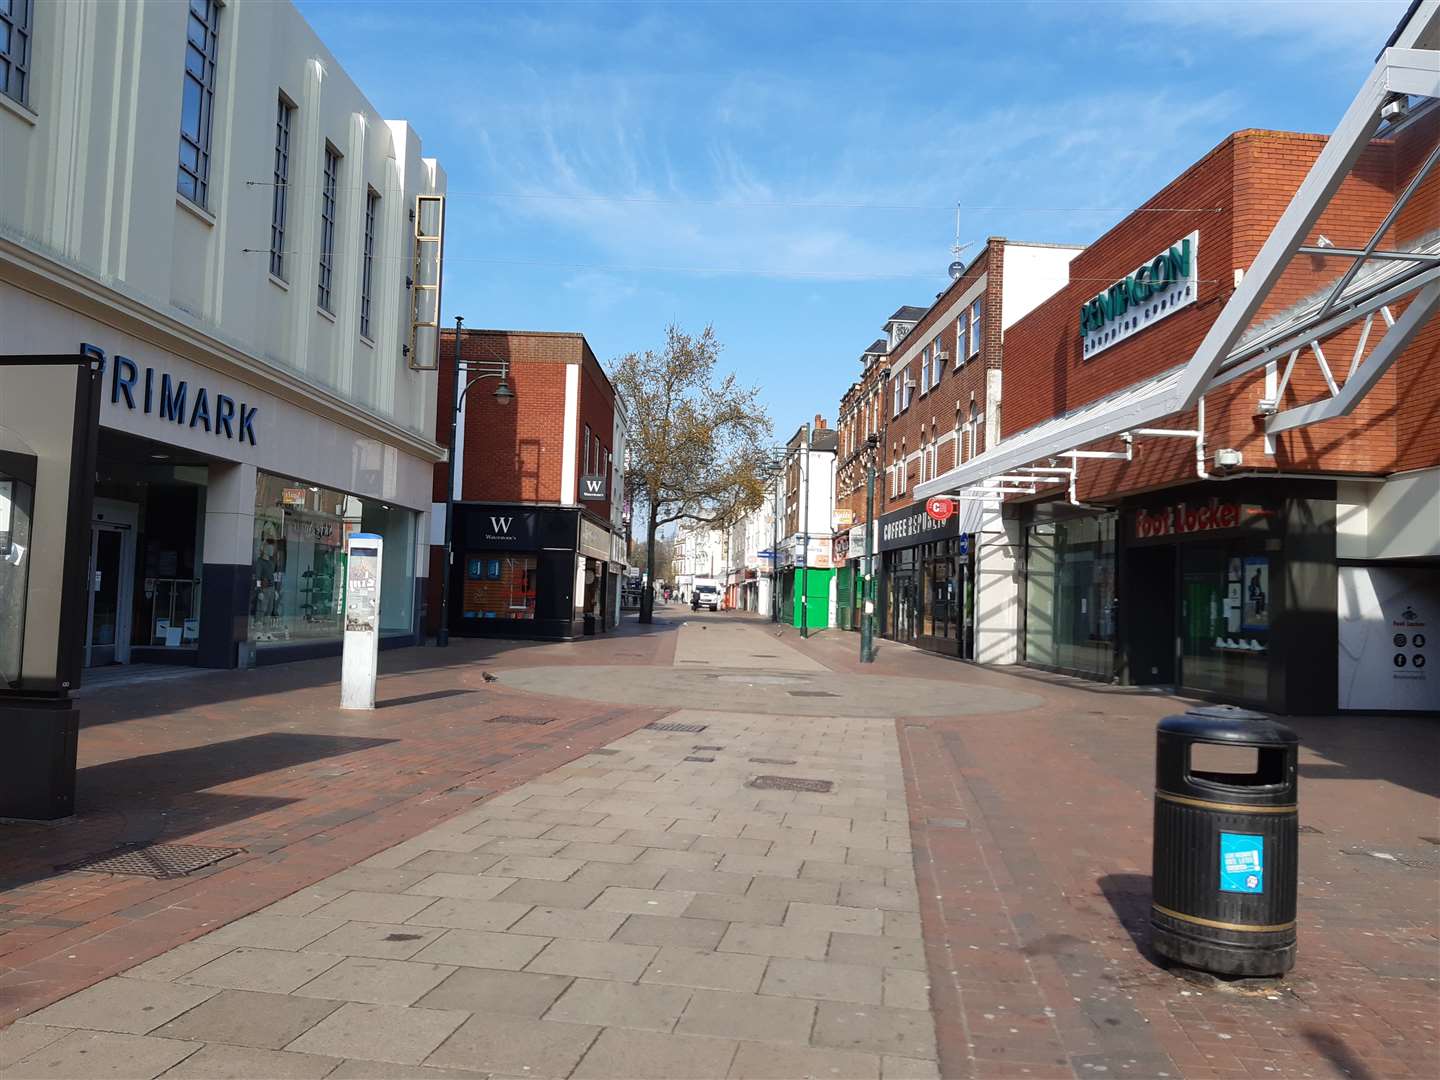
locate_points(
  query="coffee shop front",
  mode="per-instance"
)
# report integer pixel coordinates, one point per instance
(927, 595)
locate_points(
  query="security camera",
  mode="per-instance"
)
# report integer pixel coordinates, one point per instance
(1228, 459)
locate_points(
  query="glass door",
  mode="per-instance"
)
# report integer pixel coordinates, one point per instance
(106, 547)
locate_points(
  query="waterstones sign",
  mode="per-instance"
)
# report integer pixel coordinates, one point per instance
(1152, 291)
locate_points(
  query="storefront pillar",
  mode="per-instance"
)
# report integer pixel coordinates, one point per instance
(998, 564)
(226, 569)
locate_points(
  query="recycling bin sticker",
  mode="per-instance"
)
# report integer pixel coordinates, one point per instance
(1242, 863)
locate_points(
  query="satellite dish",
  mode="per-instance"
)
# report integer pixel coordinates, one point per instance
(956, 269)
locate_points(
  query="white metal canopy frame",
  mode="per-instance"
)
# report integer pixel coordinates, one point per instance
(1373, 284)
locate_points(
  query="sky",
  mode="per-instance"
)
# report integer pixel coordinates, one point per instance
(790, 171)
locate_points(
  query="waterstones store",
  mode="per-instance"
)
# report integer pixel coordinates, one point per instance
(221, 511)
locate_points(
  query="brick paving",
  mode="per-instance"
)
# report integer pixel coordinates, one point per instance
(969, 901)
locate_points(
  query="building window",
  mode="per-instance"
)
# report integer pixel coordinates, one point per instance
(939, 357)
(586, 470)
(977, 429)
(899, 394)
(925, 370)
(962, 338)
(976, 313)
(327, 227)
(197, 103)
(367, 260)
(284, 114)
(909, 391)
(16, 18)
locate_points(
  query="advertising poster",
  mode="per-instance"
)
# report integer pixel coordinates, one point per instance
(1385, 616)
(1242, 863)
(1256, 591)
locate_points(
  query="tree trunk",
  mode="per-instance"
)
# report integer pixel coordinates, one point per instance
(647, 594)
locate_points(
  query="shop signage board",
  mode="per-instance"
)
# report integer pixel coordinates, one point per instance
(844, 518)
(912, 526)
(1183, 519)
(592, 489)
(1153, 291)
(515, 528)
(171, 399)
(940, 508)
(362, 621)
(594, 540)
(1387, 620)
(840, 549)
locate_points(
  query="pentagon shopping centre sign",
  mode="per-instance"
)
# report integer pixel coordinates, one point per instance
(1153, 291)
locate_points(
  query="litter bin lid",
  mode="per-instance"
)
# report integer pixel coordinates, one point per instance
(1228, 723)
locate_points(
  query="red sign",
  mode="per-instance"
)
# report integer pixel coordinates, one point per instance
(940, 509)
(1184, 518)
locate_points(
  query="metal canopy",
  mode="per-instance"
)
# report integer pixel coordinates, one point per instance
(1375, 280)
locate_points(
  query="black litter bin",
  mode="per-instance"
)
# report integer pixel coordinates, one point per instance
(1225, 865)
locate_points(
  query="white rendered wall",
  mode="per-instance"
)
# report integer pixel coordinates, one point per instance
(1033, 273)
(997, 590)
(90, 216)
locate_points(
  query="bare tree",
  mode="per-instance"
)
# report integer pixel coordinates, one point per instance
(697, 446)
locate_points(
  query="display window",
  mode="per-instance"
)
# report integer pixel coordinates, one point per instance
(1071, 596)
(499, 585)
(297, 582)
(1226, 604)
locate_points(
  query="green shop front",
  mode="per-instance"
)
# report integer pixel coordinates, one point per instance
(806, 577)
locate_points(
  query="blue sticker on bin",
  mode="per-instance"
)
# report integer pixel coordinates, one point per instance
(1242, 863)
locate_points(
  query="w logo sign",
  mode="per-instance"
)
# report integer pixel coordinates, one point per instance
(501, 525)
(592, 487)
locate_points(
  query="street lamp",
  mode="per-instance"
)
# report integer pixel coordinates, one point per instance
(867, 618)
(476, 370)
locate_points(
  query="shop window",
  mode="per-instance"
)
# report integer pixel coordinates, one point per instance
(500, 585)
(297, 586)
(1070, 595)
(1225, 614)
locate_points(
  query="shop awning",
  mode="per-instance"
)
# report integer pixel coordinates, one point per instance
(1408, 68)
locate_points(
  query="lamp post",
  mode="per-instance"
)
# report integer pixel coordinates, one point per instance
(867, 617)
(805, 537)
(477, 370)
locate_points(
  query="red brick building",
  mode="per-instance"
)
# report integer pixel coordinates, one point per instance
(1238, 547)
(539, 540)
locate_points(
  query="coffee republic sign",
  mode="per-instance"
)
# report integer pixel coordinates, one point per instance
(1152, 291)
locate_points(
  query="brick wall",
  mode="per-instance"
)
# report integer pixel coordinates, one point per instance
(1250, 177)
(597, 410)
(946, 406)
(512, 453)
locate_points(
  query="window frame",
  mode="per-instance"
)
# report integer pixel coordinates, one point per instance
(935, 351)
(199, 174)
(977, 319)
(925, 371)
(329, 213)
(367, 260)
(962, 338)
(15, 61)
(280, 198)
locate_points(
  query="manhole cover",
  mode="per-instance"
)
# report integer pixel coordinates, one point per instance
(696, 757)
(760, 680)
(773, 761)
(693, 729)
(535, 720)
(811, 693)
(154, 860)
(791, 783)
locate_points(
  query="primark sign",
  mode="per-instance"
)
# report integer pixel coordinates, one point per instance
(173, 400)
(1153, 291)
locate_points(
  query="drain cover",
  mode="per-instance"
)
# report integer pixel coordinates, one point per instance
(707, 748)
(693, 729)
(696, 757)
(811, 693)
(773, 761)
(765, 655)
(791, 783)
(606, 752)
(154, 860)
(535, 720)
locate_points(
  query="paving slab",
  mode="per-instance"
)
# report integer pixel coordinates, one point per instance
(386, 941)
(219, 1062)
(593, 924)
(379, 1033)
(616, 1004)
(876, 1029)
(482, 948)
(775, 941)
(679, 966)
(127, 1006)
(378, 982)
(648, 1055)
(83, 1055)
(512, 1046)
(247, 1018)
(485, 991)
(823, 980)
(748, 1016)
(665, 930)
(267, 970)
(760, 1061)
(593, 960)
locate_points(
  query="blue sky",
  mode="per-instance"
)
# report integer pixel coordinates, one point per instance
(788, 171)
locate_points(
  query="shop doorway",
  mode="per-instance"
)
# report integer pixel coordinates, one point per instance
(111, 586)
(1150, 615)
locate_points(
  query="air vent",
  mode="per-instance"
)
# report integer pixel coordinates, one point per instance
(792, 783)
(154, 860)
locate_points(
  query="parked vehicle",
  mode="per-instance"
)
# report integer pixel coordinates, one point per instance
(707, 595)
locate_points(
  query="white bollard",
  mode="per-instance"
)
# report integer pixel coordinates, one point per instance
(362, 621)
